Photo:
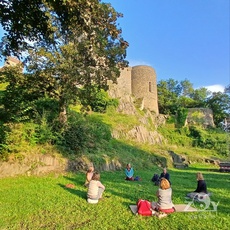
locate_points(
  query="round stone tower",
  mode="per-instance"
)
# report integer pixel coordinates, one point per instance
(144, 87)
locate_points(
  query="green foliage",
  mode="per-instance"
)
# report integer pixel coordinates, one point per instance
(175, 136)
(199, 97)
(168, 89)
(46, 132)
(3, 136)
(20, 137)
(19, 19)
(209, 140)
(220, 105)
(97, 99)
(196, 137)
(3, 86)
(77, 52)
(45, 108)
(23, 95)
(182, 95)
(15, 137)
(181, 116)
(84, 133)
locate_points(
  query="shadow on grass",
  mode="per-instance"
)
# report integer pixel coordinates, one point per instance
(74, 191)
(76, 180)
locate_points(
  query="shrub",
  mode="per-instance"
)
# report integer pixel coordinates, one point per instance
(97, 99)
(181, 117)
(85, 133)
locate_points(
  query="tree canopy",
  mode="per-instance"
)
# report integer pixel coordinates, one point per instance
(173, 96)
(76, 45)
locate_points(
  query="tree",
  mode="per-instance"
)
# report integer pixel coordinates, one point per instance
(168, 93)
(20, 20)
(186, 88)
(220, 105)
(88, 50)
(200, 96)
(174, 95)
(227, 89)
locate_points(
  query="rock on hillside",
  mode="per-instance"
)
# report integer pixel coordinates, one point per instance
(145, 131)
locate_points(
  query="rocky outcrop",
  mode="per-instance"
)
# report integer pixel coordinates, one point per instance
(82, 163)
(32, 164)
(178, 161)
(200, 116)
(142, 135)
(37, 164)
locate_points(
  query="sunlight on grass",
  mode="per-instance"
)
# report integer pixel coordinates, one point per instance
(45, 202)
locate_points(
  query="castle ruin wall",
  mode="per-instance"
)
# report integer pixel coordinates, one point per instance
(144, 87)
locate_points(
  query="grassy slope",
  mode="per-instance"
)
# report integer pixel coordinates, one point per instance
(45, 203)
(142, 155)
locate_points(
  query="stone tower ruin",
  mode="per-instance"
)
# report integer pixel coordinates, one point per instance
(144, 86)
(139, 82)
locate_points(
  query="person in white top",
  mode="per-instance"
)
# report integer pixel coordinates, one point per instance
(164, 194)
(95, 188)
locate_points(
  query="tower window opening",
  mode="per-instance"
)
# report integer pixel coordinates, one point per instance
(150, 87)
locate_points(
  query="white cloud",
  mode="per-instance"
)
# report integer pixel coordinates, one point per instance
(137, 62)
(215, 88)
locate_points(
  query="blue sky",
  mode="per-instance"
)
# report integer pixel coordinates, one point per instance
(180, 39)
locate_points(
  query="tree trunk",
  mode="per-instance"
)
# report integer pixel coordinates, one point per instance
(62, 113)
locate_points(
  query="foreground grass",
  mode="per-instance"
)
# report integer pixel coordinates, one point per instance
(45, 202)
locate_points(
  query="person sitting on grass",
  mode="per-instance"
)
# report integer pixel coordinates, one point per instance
(95, 189)
(201, 189)
(165, 175)
(164, 194)
(89, 175)
(129, 172)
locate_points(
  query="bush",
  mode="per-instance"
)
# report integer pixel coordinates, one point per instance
(85, 133)
(208, 139)
(97, 99)
(181, 117)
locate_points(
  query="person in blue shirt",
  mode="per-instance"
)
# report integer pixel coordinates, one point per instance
(129, 172)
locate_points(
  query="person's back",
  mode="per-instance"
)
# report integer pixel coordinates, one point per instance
(164, 195)
(202, 187)
(165, 198)
(95, 188)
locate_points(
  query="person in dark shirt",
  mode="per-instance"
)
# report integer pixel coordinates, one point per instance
(165, 175)
(201, 187)
(201, 184)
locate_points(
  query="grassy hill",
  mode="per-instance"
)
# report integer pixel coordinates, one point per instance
(89, 138)
(32, 202)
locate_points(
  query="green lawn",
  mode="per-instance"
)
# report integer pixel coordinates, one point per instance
(45, 203)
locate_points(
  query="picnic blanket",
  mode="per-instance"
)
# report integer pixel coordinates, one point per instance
(178, 208)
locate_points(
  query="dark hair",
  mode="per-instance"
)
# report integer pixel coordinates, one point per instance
(96, 176)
